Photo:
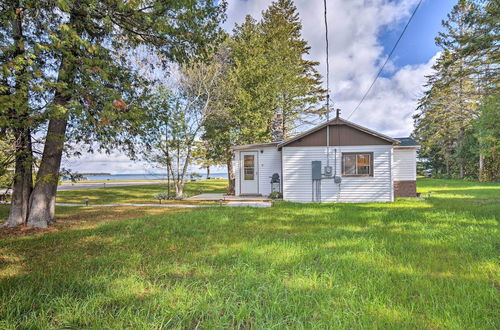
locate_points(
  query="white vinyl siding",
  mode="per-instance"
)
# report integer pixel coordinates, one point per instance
(269, 161)
(405, 164)
(297, 184)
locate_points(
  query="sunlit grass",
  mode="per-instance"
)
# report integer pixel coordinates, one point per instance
(143, 194)
(416, 263)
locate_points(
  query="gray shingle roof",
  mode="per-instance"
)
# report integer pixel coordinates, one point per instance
(407, 142)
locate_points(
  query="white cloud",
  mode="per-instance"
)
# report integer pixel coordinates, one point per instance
(118, 163)
(355, 57)
(107, 163)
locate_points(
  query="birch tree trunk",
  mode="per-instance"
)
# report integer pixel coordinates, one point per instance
(179, 189)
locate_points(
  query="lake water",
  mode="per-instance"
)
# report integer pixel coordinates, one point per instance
(111, 177)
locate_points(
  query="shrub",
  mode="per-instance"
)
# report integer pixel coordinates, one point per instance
(275, 195)
(161, 196)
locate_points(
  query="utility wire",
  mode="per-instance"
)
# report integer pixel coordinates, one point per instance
(386, 60)
(327, 67)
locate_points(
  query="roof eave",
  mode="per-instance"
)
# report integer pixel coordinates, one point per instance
(256, 145)
(339, 121)
(407, 147)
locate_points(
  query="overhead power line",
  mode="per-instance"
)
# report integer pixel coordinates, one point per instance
(327, 67)
(387, 59)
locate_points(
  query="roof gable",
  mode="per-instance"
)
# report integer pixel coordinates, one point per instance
(342, 132)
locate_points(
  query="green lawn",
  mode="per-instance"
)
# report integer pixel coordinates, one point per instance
(415, 263)
(137, 194)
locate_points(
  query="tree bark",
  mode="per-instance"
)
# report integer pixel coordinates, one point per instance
(179, 189)
(230, 177)
(43, 197)
(168, 184)
(23, 181)
(208, 172)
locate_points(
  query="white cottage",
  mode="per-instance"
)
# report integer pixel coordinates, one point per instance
(337, 161)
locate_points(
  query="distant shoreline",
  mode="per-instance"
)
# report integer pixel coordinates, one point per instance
(138, 177)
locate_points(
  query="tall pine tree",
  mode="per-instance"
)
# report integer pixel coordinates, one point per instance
(294, 78)
(268, 74)
(448, 108)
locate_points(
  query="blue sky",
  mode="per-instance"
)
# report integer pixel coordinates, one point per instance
(361, 33)
(418, 45)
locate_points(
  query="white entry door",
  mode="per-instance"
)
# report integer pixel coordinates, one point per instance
(249, 178)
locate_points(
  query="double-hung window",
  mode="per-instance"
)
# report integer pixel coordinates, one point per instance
(357, 164)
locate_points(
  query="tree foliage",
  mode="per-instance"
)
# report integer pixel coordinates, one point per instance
(449, 116)
(177, 116)
(488, 134)
(66, 70)
(267, 75)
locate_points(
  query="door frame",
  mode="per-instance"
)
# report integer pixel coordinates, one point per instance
(256, 169)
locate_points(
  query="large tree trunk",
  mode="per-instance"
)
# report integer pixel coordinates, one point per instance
(208, 172)
(230, 177)
(23, 181)
(43, 197)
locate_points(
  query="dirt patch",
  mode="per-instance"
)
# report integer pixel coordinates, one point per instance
(23, 231)
(88, 217)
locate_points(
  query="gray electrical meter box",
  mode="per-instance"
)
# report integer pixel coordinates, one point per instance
(328, 171)
(316, 170)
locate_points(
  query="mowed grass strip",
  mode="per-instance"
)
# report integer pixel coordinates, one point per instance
(141, 194)
(415, 263)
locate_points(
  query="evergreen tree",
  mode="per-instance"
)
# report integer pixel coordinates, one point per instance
(481, 46)
(22, 77)
(488, 133)
(464, 77)
(93, 93)
(250, 104)
(295, 81)
(267, 74)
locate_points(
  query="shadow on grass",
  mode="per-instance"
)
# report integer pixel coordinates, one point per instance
(414, 263)
(372, 266)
